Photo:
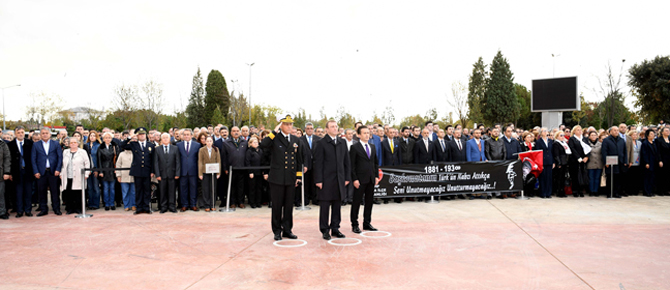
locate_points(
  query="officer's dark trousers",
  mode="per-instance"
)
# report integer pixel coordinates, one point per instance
(143, 193)
(281, 197)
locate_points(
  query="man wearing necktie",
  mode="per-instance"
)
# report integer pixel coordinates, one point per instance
(188, 181)
(310, 140)
(364, 173)
(167, 166)
(142, 168)
(456, 146)
(47, 160)
(5, 169)
(441, 149)
(424, 151)
(22, 171)
(332, 173)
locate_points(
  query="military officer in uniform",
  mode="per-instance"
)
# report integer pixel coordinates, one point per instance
(142, 168)
(286, 164)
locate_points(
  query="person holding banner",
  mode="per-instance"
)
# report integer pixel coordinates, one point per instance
(364, 175)
(332, 173)
(474, 151)
(286, 160)
(207, 155)
(74, 160)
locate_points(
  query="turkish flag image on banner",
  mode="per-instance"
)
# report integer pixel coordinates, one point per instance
(531, 162)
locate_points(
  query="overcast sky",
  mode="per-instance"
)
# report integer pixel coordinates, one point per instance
(362, 55)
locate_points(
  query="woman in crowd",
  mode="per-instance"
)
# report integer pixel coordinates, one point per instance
(107, 154)
(265, 161)
(595, 163)
(577, 161)
(253, 157)
(298, 132)
(80, 138)
(649, 161)
(202, 138)
(208, 154)
(545, 144)
(528, 142)
(633, 146)
(91, 147)
(663, 171)
(560, 152)
(74, 159)
(125, 160)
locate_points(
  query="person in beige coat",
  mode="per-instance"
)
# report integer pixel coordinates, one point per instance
(74, 160)
(127, 182)
(208, 154)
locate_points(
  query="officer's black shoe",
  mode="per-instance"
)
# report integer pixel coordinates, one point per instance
(277, 237)
(326, 236)
(356, 229)
(369, 227)
(290, 235)
(338, 234)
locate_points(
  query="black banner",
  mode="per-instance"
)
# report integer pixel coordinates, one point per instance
(449, 179)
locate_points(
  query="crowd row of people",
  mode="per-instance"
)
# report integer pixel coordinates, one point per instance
(132, 168)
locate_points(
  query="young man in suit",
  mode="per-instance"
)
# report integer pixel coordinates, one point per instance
(188, 181)
(142, 168)
(309, 140)
(457, 148)
(441, 147)
(47, 159)
(167, 167)
(364, 175)
(222, 185)
(22, 171)
(332, 173)
(474, 151)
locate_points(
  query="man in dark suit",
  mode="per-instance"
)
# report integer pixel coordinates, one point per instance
(188, 181)
(286, 165)
(364, 175)
(457, 148)
(47, 159)
(222, 186)
(5, 169)
(22, 171)
(424, 151)
(390, 152)
(406, 146)
(441, 147)
(142, 168)
(309, 140)
(614, 145)
(167, 166)
(237, 150)
(332, 173)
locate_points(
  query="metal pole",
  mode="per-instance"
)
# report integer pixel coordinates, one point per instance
(250, 65)
(303, 207)
(522, 197)
(432, 200)
(230, 180)
(612, 183)
(83, 214)
(213, 192)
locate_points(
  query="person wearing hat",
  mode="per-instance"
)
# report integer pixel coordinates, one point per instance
(142, 168)
(286, 162)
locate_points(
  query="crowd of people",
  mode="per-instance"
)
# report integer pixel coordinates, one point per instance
(132, 169)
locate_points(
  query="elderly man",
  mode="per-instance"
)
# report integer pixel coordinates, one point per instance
(286, 162)
(188, 184)
(47, 159)
(614, 145)
(22, 172)
(167, 167)
(309, 140)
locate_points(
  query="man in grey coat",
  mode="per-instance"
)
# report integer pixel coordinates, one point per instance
(5, 168)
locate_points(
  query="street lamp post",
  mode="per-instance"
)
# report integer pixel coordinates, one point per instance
(553, 58)
(3, 105)
(250, 65)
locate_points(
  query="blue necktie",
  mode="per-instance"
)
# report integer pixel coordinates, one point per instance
(23, 162)
(309, 138)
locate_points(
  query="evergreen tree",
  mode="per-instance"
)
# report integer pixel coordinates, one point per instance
(216, 95)
(500, 104)
(476, 89)
(650, 84)
(195, 110)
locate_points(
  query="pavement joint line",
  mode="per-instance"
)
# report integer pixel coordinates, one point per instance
(226, 262)
(540, 244)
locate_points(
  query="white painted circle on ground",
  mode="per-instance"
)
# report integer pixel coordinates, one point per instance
(355, 242)
(386, 234)
(290, 245)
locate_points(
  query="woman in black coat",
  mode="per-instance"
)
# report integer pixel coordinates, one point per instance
(545, 144)
(560, 151)
(663, 172)
(253, 157)
(577, 161)
(106, 156)
(648, 161)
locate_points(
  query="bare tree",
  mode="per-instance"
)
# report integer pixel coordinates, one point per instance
(94, 116)
(239, 108)
(459, 101)
(44, 108)
(152, 102)
(610, 88)
(125, 102)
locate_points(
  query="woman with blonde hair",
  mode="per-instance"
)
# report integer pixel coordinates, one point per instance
(207, 155)
(561, 152)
